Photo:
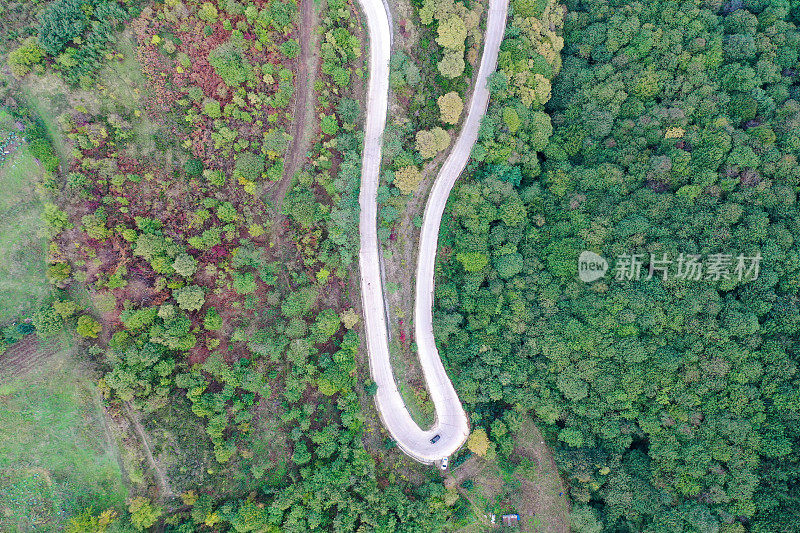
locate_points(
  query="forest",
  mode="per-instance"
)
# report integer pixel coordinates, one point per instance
(673, 127)
(209, 290)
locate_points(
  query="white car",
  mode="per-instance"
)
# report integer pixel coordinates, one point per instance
(443, 464)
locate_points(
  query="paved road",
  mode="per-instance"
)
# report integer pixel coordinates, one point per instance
(451, 421)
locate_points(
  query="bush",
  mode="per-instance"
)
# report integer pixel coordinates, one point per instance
(88, 327)
(230, 63)
(143, 514)
(212, 320)
(193, 167)
(250, 165)
(244, 282)
(348, 110)
(212, 109)
(329, 125)
(47, 321)
(299, 303)
(27, 54)
(226, 212)
(290, 49)
(195, 93)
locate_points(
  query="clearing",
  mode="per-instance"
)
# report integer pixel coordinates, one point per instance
(528, 484)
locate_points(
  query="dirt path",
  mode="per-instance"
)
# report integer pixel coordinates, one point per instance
(303, 124)
(163, 485)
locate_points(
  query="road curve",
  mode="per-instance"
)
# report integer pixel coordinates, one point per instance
(451, 422)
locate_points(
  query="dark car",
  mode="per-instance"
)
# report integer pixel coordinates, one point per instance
(435, 439)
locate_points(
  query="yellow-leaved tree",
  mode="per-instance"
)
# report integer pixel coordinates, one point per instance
(450, 107)
(407, 179)
(478, 442)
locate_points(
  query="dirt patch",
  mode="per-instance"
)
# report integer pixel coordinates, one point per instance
(28, 354)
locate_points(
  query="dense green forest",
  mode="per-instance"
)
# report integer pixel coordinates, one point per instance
(674, 127)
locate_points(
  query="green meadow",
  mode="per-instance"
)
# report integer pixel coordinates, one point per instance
(23, 284)
(56, 455)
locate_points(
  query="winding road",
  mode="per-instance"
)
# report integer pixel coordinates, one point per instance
(451, 424)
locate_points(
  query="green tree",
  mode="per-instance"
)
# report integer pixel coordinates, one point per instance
(509, 265)
(87, 522)
(230, 63)
(299, 303)
(478, 442)
(325, 325)
(208, 12)
(212, 108)
(473, 261)
(250, 165)
(60, 23)
(189, 298)
(290, 49)
(452, 32)
(407, 179)
(452, 64)
(244, 282)
(212, 320)
(88, 327)
(430, 143)
(143, 514)
(185, 265)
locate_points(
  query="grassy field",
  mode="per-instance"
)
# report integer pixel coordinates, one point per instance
(55, 454)
(47, 97)
(184, 454)
(23, 285)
